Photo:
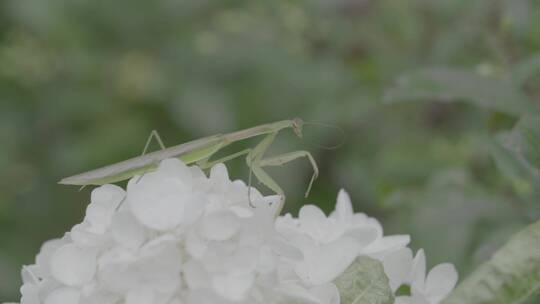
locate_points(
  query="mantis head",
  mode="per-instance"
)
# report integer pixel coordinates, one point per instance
(297, 125)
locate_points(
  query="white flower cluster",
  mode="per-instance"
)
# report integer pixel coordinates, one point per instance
(177, 236)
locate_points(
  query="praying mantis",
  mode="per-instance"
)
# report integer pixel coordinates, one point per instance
(200, 152)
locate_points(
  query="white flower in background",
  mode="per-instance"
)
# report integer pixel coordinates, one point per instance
(432, 289)
(355, 225)
(343, 234)
(177, 236)
(397, 266)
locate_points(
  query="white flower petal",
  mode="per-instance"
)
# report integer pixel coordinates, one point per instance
(397, 266)
(175, 301)
(233, 287)
(364, 235)
(286, 250)
(274, 201)
(219, 177)
(108, 196)
(220, 225)
(63, 296)
(127, 231)
(94, 293)
(203, 296)
(388, 243)
(82, 236)
(311, 218)
(268, 260)
(403, 300)
(105, 201)
(196, 246)
(98, 217)
(324, 263)
(158, 204)
(327, 293)
(344, 209)
(117, 271)
(322, 294)
(73, 266)
(158, 198)
(44, 256)
(193, 209)
(174, 168)
(140, 296)
(195, 275)
(159, 265)
(30, 294)
(362, 220)
(200, 180)
(242, 211)
(297, 293)
(418, 298)
(440, 281)
(418, 271)
(197, 173)
(28, 276)
(243, 261)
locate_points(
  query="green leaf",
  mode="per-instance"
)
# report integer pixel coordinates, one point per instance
(450, 85)
(364, 282)
(510, 277)
(529, 130)
(525, 70)
(523, 177)
(517, 155)
(506, 150)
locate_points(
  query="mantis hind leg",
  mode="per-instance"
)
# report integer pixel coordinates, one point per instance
(153, 134)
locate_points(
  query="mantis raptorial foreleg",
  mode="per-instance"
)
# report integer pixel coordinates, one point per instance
(263, 177)
(252, 160)
(269, 182)
(288, 157)
(256, 163)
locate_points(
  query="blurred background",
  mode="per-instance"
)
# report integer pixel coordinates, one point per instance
(437, 98)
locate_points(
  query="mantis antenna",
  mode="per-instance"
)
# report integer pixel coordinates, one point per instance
(343, 135)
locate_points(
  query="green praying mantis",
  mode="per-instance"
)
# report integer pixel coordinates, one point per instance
(200, 152)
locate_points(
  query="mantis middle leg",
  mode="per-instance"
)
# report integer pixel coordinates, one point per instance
(206, 163)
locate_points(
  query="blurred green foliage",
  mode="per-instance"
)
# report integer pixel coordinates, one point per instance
(82, 84)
